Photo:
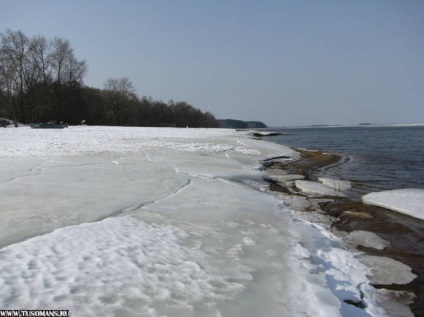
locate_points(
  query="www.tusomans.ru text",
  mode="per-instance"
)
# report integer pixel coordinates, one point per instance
(34, 313)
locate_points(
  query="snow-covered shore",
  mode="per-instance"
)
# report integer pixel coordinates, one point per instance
(152, 222)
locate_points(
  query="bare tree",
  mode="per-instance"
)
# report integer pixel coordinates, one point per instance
(67, 73)
(120, 96)
(38, 75)
(7, 72)
(14, 49)
(43, 80)
(59, 56)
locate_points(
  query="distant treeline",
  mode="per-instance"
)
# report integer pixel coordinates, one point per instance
(238, 124)
(42, 80)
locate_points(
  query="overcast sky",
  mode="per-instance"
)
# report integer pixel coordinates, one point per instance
(281, 62)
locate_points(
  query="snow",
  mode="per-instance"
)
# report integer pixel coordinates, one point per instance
(164, 222)
(407, 201)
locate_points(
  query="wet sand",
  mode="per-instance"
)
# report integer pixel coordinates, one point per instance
(405, 234)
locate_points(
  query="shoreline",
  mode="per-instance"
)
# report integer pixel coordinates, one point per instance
(404, 233)
(167, 177)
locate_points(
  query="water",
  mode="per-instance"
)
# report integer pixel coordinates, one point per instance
(374, 158)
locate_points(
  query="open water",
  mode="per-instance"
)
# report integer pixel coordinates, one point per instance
(375, 158)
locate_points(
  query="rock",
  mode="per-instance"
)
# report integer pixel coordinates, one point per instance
(356, 214)
(289, 177)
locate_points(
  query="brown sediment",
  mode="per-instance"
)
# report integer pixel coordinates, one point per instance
(311, 161)
(405, 234)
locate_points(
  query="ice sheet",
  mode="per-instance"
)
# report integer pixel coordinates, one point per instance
(388, 271)
(398, 305)
(335, 183)
(61, 192)
(315, 189)
(162, 222)
(367, 239)
(406, 201)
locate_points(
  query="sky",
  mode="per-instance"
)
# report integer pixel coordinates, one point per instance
(286, 63)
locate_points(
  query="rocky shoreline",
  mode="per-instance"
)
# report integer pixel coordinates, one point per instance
(342, 215)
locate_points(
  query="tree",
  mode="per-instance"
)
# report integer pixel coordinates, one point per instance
(13, 58)
(6, 76)
(94, 111)
(120, 97)
(68, 74)
(38, 76)
(42, 79)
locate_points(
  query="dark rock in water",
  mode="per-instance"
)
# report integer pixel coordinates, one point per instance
(239, 124)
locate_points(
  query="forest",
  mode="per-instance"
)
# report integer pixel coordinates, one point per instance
(42, 80)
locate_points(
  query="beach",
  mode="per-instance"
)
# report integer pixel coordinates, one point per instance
(161, 221)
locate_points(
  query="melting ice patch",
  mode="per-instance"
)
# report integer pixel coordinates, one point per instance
(315, 189)
(335, 183)
(367, 239)
(388, 271)
(325, 187)
(406, 201)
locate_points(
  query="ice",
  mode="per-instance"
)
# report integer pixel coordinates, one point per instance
(388, 271)
(315, 189)
(296, 202)
(325, 187)
(163, 222)
(117, 266)
(406, 201)
(367, 239)
(397, 306)
(61, 192)
(335, 183)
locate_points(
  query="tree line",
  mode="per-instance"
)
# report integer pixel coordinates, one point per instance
(42, 80)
